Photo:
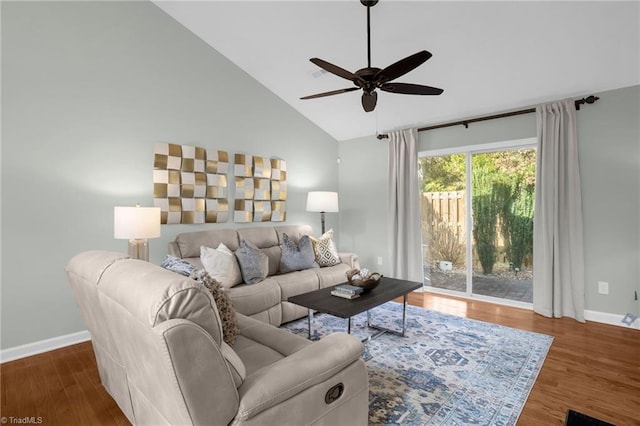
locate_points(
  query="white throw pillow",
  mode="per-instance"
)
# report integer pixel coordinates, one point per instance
(221, 264)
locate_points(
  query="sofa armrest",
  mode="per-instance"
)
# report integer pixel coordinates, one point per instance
(312, 364)
(350, 259)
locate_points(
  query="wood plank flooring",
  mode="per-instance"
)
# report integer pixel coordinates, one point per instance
(591, 368)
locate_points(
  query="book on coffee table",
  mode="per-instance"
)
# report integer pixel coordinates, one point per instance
(348, 289)
(344, 295)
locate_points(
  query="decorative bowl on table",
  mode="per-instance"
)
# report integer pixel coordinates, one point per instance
(364, 279)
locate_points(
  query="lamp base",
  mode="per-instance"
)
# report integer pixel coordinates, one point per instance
(139, 249)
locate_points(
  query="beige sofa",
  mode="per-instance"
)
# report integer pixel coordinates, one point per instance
(157, 337)
(267, 300)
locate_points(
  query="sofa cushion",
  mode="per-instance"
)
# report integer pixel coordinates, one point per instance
(221, 264)
(252, 299)
(260, 344)
(296, 257)
(332, 275)
(225, 309)
(254, 264)
(325, 249)
(189, 242)
(297, 282)
(177, 265)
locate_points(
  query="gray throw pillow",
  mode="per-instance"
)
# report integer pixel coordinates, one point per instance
(297, 257)
(254, 264)
(178, 265)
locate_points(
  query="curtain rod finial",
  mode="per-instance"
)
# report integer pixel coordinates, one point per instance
(380, 137)
(588, 100)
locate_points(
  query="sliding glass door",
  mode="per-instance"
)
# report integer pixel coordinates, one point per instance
(477, 221)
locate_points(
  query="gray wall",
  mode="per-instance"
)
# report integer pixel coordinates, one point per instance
(87, 90)
(609, 151)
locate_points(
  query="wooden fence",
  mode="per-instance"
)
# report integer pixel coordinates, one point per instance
(447, 207)
(444, 226)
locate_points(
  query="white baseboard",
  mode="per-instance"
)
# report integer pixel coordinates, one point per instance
(41, 346)
(611, 319)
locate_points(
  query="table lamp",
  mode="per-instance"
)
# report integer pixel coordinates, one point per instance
(323, 202)
(136, 224)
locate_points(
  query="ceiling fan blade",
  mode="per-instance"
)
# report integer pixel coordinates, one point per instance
(410, 89)
(333, 92)
(334, 69)
(369, 101)
(401, 67)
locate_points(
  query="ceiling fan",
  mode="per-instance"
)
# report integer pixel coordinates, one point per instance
(370, 78)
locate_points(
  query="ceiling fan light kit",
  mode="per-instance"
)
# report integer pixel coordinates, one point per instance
(370, 78)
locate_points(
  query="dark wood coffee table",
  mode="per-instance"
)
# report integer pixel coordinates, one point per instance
(389, 289)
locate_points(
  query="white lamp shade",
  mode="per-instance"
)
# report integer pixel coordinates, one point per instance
(322, 201)
(136, 222)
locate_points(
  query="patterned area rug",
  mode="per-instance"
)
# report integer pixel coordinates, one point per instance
(447, 370)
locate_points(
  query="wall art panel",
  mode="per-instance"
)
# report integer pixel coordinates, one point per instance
(190, 183)
(263, 181)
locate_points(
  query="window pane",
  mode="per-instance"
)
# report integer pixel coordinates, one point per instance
(503, 190)
(443, 221)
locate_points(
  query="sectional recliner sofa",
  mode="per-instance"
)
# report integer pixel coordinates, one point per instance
(158, 341)
(266, 300)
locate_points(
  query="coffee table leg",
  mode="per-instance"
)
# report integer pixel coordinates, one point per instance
(310, 320)
(387, 330)
(349, 325)
(404, 314)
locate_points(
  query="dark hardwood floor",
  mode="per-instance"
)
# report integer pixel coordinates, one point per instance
(591, 368)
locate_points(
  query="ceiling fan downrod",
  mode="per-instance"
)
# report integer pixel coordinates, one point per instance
(369, 4)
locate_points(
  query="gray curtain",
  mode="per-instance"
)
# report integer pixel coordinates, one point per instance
(405, 240)
(558, 259)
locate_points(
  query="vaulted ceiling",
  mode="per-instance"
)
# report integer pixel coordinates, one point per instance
(487, 56)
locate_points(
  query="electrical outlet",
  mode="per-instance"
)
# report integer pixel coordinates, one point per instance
(379, 260)
(603, 287)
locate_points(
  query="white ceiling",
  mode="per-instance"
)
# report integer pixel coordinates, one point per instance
(487, 56)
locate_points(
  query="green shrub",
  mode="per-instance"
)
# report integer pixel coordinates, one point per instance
(486, 203)
(517, 224)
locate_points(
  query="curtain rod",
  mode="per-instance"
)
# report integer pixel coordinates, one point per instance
(588, 100)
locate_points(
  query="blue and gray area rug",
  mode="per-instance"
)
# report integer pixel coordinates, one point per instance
(447, 370)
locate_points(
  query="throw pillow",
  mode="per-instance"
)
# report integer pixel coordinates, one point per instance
(297, 257)
(325, 249)
(254, 264)
(226, 312)
(221, 264)
(177, 265)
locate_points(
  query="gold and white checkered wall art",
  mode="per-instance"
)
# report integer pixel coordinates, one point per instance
(260, 189)
(190, 184)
